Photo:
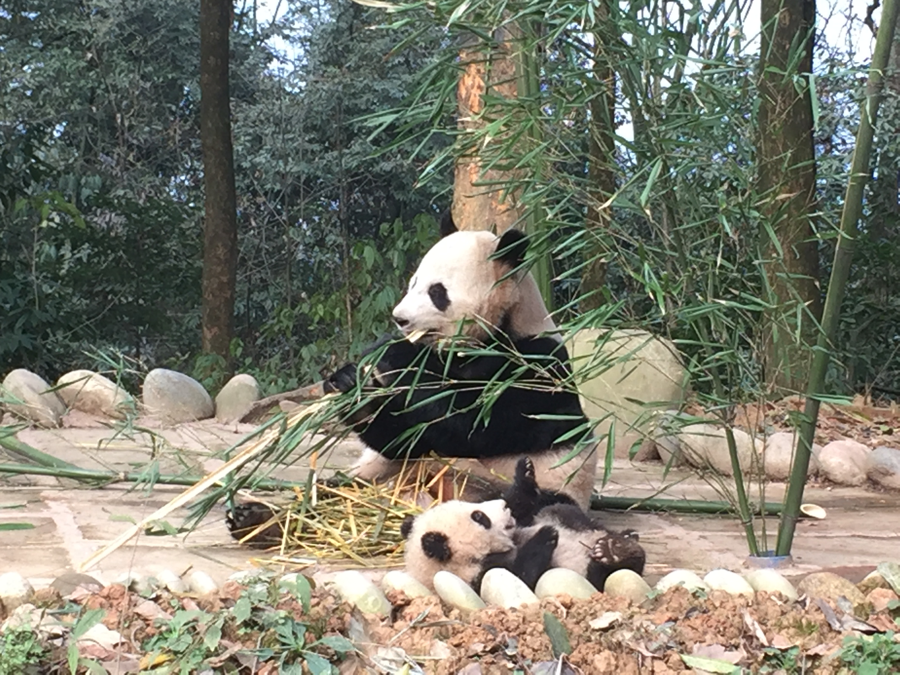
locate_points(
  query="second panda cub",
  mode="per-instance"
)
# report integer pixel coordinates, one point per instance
(583, 544)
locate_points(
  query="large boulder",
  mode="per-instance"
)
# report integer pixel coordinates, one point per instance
(627, 375)
(176, 397)
(844, 462)
(236, 397)
(779, 456)
(27, 395)
(883, 467)
(705, 446)
(93, 393)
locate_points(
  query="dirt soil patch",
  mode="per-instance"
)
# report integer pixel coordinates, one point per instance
(250, 629)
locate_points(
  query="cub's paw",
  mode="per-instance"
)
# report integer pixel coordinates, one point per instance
(546, 538)
(525, 472)
(620, 550)
(342, 381)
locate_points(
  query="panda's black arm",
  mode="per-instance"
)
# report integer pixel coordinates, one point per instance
(530, 561)
(412, 417)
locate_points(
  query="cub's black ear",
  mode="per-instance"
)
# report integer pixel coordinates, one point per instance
(406, 526)
(436, 545)
(511, 248)
(482, 519)
(447, 224)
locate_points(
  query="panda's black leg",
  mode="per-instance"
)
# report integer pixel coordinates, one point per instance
(536, 555)
(612, 552)
(523, 496)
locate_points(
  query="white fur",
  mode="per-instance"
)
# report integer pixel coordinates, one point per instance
(460, 262)
(469, 541)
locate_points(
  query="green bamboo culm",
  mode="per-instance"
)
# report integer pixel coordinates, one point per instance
(528, 86)
(843, 256)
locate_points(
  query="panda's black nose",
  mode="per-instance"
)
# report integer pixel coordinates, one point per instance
(400, 321)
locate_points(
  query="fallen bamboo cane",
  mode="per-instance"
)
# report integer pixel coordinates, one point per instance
(232, 464)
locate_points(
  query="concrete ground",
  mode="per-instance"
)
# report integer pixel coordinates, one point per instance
(862, 527)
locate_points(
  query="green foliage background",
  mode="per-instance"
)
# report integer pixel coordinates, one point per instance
(343, 139)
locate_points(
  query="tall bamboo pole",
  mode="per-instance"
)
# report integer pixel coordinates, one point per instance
(843, 256)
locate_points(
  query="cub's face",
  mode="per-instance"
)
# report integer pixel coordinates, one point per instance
(456, 536)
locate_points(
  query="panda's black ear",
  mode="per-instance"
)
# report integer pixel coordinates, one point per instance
(447, 224)
(436, 546)
(406, 526)
(511, 248)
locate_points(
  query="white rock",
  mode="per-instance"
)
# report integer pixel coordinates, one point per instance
(502, 588)
(706, 446)
(101, 635)
(725, 580)
(626, 375)
(359, 590)
(562, 581)
(29, 616)
(201, 583)
(626, 584)
(93, 393)
(883, 467)
(684, 578)
(456, 592)
(142, 584)
(26, 396)
(398, 580)
(176, 397)
(172, 581)
(779, 456)
(605, 620)
(772, 582)
(844, 462)
(236, 397)
(14, 590)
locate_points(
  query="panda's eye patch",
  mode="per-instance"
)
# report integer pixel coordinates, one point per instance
(438, 294)
(482, 519)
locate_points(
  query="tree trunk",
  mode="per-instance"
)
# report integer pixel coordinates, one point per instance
(483, 207)
(220, 222)
(787, 175)
(601, 174)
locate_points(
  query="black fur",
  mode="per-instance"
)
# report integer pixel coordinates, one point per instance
(447, 226)
(482, 519)
(511, 248)
(436, 545)
(612, 551)
(406, 526)
(245, 518)
(529, 562)
(457, 421)
(438, 294)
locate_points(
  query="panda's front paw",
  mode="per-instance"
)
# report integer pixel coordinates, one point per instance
(245, 519)
(342, 381)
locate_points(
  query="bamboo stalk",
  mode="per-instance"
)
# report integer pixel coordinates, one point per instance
(840, 271)
(111, 477)
(210, 479)
(679, 506)
(25, 451)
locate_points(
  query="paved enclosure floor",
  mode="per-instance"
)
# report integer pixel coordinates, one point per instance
(862, 527)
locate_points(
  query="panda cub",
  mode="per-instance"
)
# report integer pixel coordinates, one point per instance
(519, 533)
(470, 291)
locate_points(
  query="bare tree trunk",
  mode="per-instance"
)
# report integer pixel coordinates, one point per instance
(483, 207)
(787, 175)
(601, 174)
(220, 222)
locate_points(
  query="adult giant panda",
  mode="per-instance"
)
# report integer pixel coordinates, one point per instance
(469, 290)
